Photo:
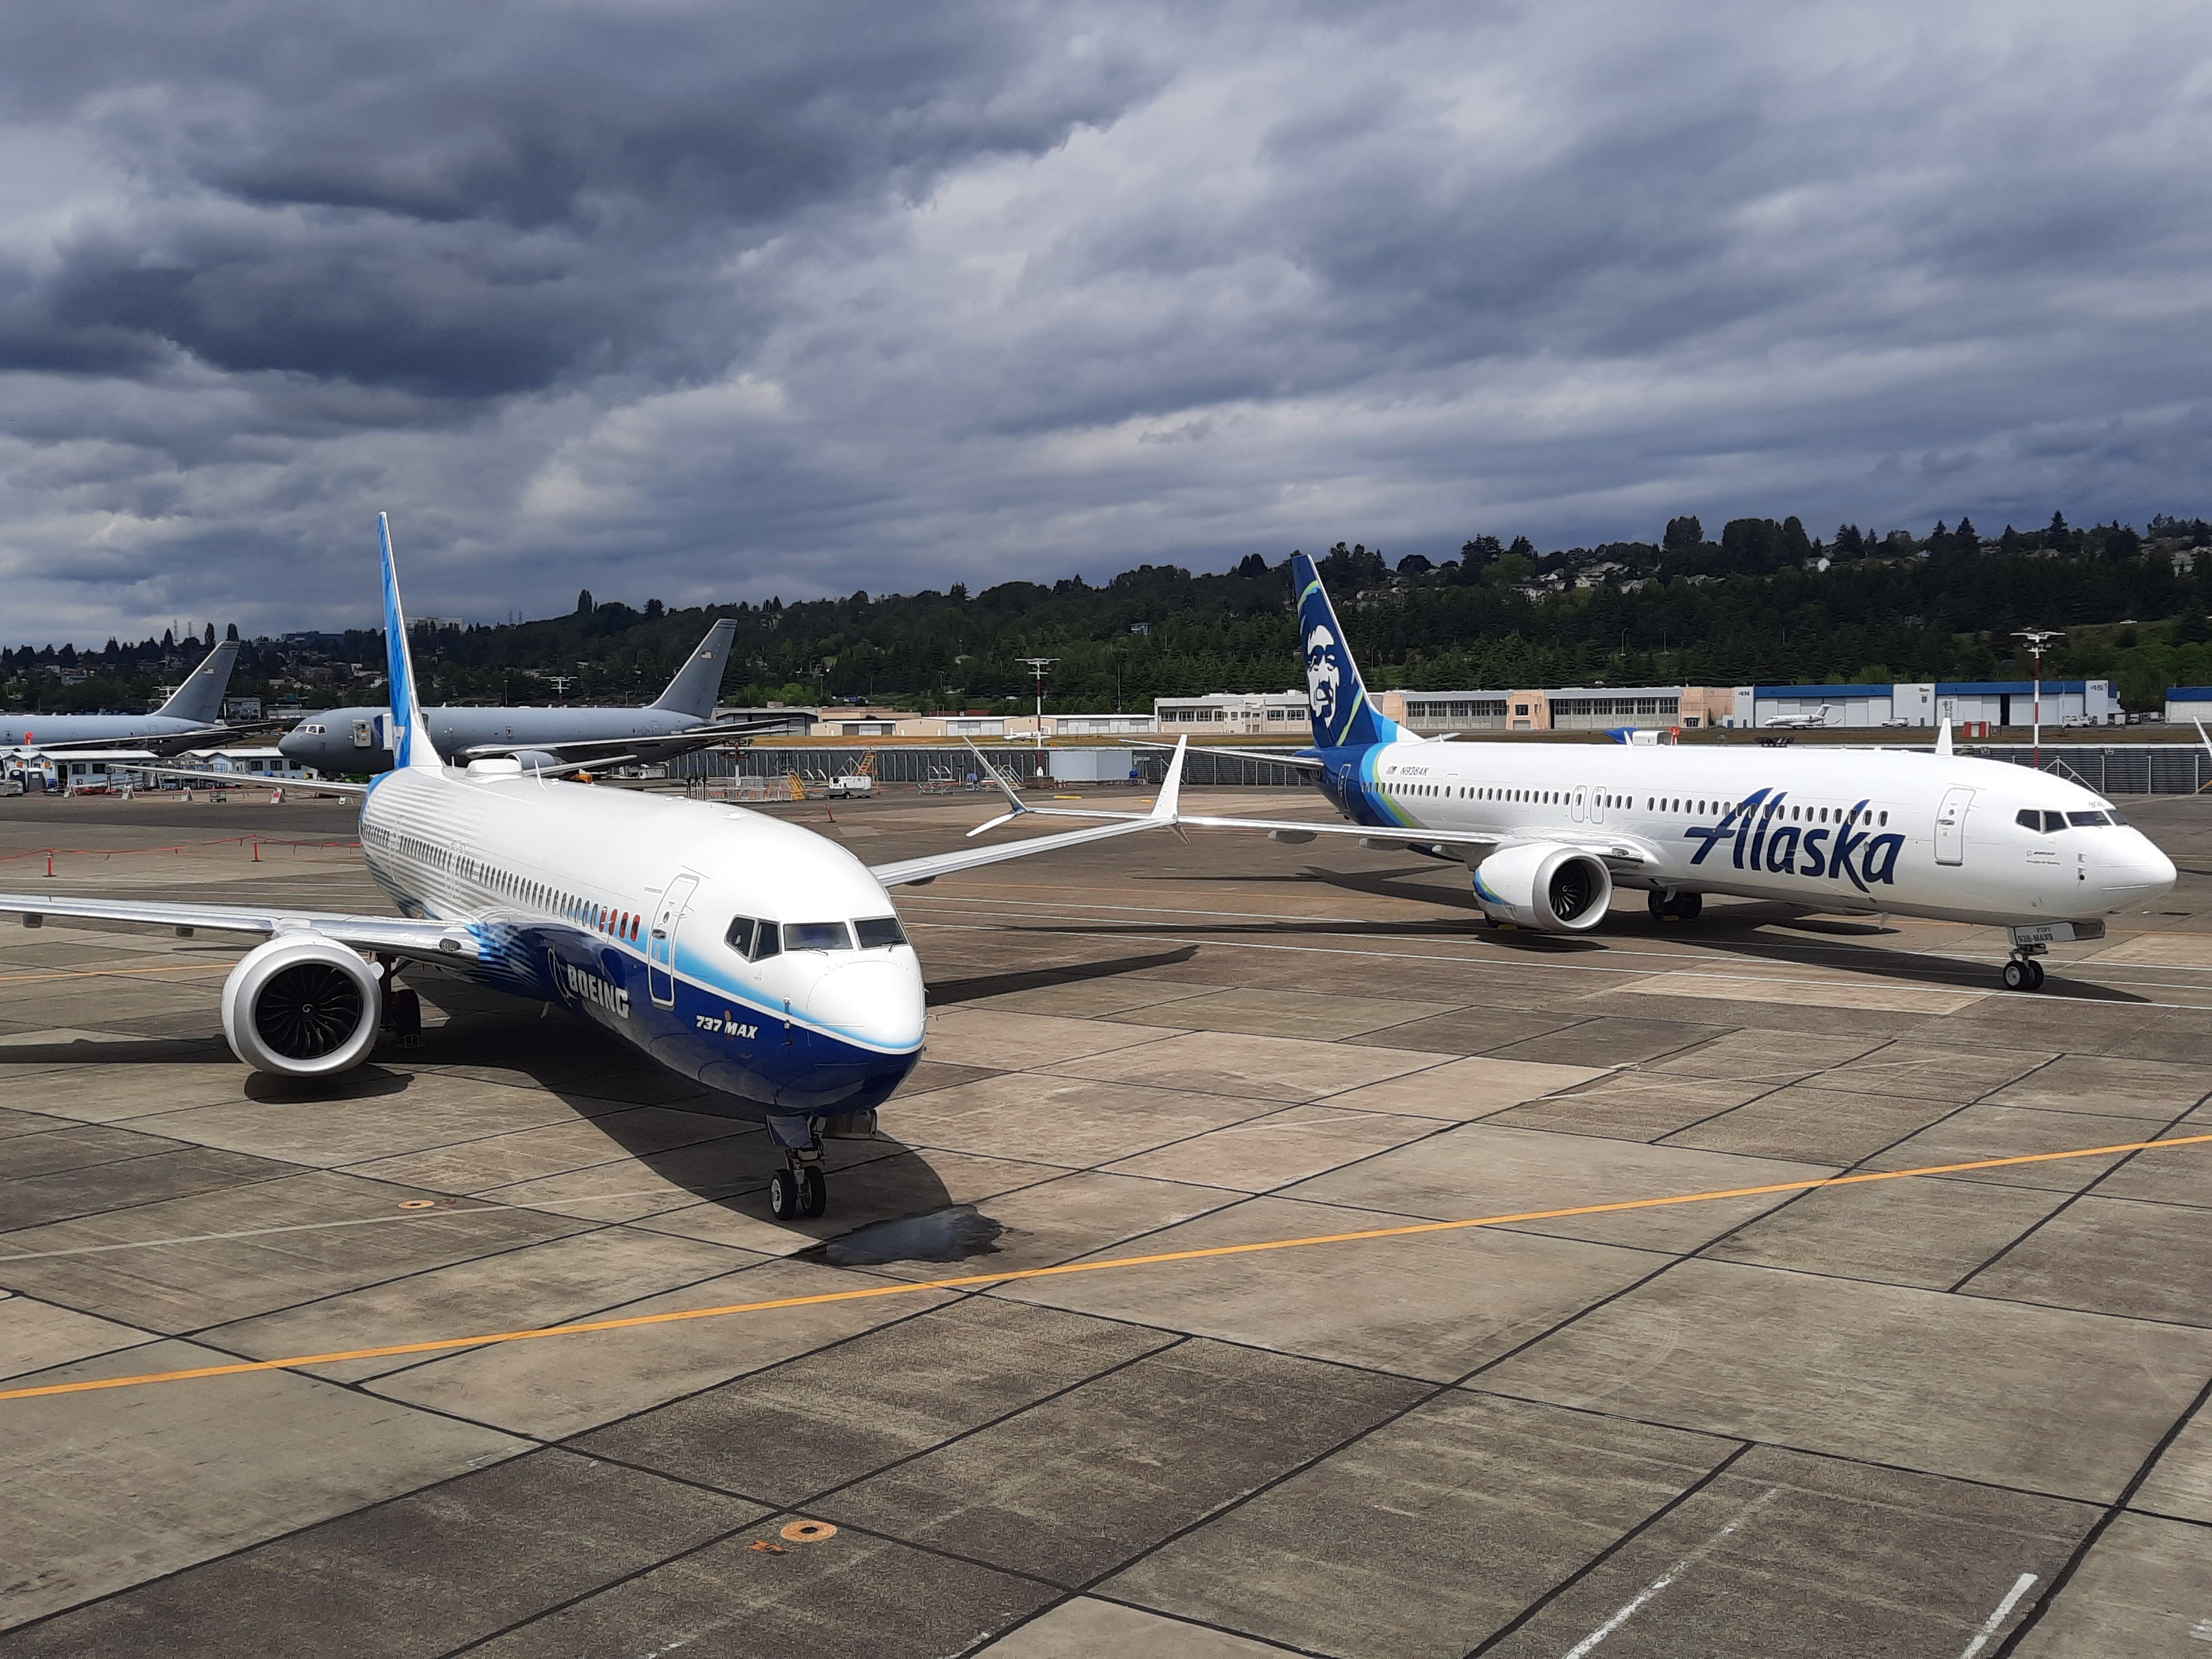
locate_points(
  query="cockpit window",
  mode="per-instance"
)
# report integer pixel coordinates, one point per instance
(816, 936)
(876, 931)
(2050, 822)
(2089, 820)
(756, 941)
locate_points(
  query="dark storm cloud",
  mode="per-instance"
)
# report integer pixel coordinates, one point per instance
(432, 198)
(690, 301)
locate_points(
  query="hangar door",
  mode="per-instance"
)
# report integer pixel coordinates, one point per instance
(1951, 826)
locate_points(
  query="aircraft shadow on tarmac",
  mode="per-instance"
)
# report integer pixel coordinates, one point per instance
(612, 1085)
(886, 1202)
(1732, 928)
(944, 993)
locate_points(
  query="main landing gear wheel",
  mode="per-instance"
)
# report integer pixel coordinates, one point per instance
(813, 1191)
(783, 1196)
(1675, 907)
(2023, 974)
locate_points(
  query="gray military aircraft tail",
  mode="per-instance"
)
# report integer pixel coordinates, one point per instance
(190, 719)
(678, 721)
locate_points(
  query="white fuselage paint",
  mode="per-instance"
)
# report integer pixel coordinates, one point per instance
(563, 885)
(1959, 851)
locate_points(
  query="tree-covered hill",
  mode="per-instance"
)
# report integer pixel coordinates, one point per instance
(1764, 603)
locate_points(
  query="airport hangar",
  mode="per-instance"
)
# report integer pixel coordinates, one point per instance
(1900, 1415)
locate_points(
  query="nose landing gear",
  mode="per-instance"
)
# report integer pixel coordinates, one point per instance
(2023, 972)
(799, 1192)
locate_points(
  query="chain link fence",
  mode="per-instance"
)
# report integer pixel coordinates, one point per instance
(952, 767)
(2140, 768)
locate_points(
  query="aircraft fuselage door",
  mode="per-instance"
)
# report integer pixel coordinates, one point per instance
(1581, 809)
(660, 946)
(364, 734)
(1951, 826)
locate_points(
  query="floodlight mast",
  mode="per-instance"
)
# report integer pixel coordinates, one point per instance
(1036, 666)
(2039, 640)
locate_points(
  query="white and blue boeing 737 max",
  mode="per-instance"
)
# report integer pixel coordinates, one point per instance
(754, 955)
(1551, 830)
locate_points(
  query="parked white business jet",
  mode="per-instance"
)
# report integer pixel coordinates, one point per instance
(1552, 829)
(1798, 722)
(760, 958)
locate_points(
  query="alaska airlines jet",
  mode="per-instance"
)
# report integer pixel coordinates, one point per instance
(191, 719)
(760, 959)
(680, 721)
(1551, 830)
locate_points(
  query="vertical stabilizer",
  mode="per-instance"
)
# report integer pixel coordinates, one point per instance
(410, 738)
(1342, 717)
(699, 681)
(199, 699)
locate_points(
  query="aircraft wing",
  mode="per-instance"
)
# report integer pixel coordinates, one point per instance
(1280, 757)
(162, 745)
(1614, 849)
(247, 780)
(627, 751)
(913, 872)
(428, 941)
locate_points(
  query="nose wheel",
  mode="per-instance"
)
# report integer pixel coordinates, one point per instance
(2023, 972)
(799, 1192)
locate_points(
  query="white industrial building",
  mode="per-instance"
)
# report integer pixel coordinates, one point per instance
(2184, 704)
(1928, 703)
(1240, 713)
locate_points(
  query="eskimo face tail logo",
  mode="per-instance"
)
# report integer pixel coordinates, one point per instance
(1324, 676)
(1760, 840)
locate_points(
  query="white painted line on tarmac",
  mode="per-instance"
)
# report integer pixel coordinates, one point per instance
(1989, 1625)
(1589, 1642)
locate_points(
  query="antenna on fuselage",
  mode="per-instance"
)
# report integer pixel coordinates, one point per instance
(1943, 737)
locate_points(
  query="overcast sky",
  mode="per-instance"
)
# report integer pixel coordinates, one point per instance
(716, 300)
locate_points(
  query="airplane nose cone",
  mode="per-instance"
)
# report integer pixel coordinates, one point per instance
(293, 746)
(877, 1002)
(2137, 870)
(2152, 868)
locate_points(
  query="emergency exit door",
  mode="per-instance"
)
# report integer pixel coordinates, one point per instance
(1951, 826)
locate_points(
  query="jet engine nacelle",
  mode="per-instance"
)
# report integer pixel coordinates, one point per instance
(534, 760)
(1558, 889)
(302, 1006)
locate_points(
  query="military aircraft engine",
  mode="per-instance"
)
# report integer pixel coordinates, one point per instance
(302, 1006)
(1542, 885)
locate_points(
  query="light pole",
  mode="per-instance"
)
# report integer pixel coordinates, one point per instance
(1036, 666)
(2039, 640)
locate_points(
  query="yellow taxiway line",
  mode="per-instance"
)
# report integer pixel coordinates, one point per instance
(1013, 1275)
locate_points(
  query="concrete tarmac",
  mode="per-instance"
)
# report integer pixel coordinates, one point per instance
(1953, 1415)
